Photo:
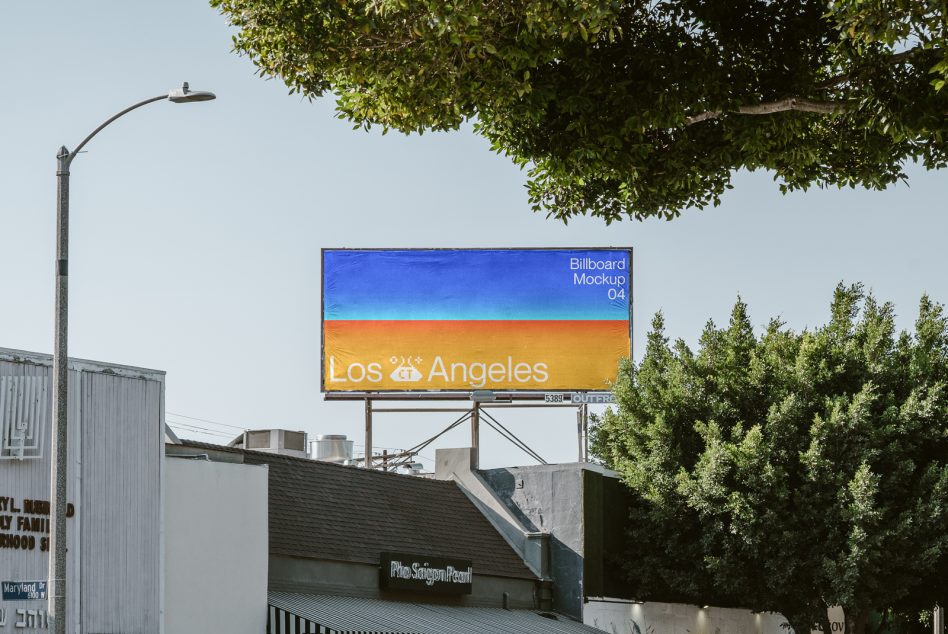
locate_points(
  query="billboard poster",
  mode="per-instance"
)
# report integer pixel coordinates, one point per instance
(414, 320)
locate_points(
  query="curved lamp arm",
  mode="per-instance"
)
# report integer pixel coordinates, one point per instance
(71, 155)
(178, 95)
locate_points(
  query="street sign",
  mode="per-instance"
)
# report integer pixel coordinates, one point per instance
(23, 590)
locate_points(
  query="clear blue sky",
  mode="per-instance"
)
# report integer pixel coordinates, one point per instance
(196, 229)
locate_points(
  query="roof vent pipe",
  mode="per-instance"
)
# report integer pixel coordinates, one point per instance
(332, 448)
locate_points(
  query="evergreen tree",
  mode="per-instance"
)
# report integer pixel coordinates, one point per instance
(790, 472)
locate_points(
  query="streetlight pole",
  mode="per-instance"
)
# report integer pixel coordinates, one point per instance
(56, 588)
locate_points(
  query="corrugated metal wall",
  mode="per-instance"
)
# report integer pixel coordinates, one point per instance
(29, 479)
(120, 503)
(115, 449)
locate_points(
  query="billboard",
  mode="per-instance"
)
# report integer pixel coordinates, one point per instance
(415, 320)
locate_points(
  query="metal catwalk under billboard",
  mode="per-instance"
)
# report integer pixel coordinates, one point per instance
(474, 319)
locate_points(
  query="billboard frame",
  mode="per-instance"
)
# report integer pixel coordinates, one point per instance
(444, 394)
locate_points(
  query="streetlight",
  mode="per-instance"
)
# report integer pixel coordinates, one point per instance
(56, 588)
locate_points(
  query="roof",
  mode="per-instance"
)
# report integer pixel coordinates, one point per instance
(320, 510)
(335, 615)
(38, 358)
(555, 467)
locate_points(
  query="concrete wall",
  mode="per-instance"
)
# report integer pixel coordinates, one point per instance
(584, 509)
(611, 615)
(292, 574)
(676, 618)
(216, 549)
(458, 465)
(549, 499)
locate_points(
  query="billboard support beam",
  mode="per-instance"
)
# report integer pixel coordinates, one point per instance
(368, 433)
(475, 412)
(584, 409)
(476, 433)
(579, 433)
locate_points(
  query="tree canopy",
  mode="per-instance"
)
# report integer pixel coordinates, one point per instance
(789, 471)
(631, 108)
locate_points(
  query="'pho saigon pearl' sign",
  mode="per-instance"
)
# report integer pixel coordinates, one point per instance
(418, 573)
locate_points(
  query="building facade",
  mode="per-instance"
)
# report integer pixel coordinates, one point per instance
(353, 550)
(115, 444)
(155, 544)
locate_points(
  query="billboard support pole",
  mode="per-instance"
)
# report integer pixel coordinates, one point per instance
(579, 432)
(475, 433)
(368, 433)
(475, 412)
(584, 413)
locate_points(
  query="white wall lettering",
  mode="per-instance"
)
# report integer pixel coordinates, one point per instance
(32, 619)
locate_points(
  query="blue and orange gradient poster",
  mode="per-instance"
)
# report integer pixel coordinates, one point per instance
(475, 319)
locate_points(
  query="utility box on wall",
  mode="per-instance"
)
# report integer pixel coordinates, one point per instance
(113, 529)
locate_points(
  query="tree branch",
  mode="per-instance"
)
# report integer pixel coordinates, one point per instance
(804, 105)
(894, 60)
(771, 107)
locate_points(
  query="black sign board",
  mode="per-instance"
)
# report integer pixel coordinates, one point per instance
(419, 573)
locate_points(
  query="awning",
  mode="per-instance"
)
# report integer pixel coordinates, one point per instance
(292, 613)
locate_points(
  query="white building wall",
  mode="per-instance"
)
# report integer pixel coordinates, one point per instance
(676, 618)
(216, 547)
(113, 537)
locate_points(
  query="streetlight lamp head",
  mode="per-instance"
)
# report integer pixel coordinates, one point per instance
(184, 94)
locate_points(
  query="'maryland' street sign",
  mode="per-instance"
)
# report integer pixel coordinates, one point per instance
(23, 590)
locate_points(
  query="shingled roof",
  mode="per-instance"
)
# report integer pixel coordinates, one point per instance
(320, 510)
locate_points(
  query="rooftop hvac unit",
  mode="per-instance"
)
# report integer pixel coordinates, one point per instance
(333, 448)
(278, 441)
(257, 439)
